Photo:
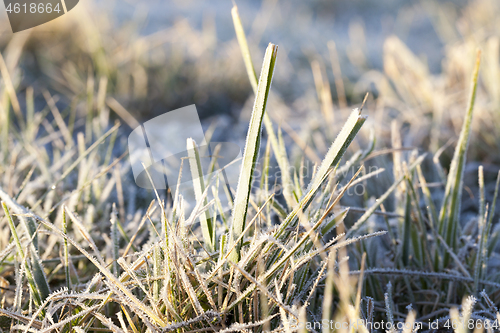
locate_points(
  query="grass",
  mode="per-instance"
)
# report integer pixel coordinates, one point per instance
(85, 250)
(450, 211)
(251, 153)
(208, 229)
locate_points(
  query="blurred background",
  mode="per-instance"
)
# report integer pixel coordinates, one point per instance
(191, 40)
(161, 55)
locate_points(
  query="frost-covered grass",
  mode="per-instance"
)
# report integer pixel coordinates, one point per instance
(84, 249)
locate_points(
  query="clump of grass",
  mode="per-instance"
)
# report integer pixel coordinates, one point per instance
(185, 278)
(208, 229)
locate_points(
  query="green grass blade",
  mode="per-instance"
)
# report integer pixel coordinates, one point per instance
(252, 76)
(407, 231)
(38, 273)
(481, 231)
(421, 245)
(450, 211)
(156, 272)
(37, 298)
(251, 150)
(245, 51)
(331, 160)
(115, 239)
(207, 226)
(338, 148)
(65, 249)
(431, 210)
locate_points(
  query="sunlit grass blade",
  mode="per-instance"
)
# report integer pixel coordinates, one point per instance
(449, 216)
(36, 293)
(252, 147)
(407, 224)
(431, 210)
(245, 51)
(66, 249)
(419, 230)
(490, 243)
(338, 148)
(115, 239)
(481, 231)
(332, 158)
(207, 227)
(36, 269)
(252, 76)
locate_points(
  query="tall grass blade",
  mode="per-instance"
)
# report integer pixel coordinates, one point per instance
(431, 210)
(407, 230)
(115, 239)
(251, 150)
(245, 51)
(65, 249)
(482, 228)
(38, 272)
(489, 242)
(283, 164)
(36, 267)
(207, 227)
(449, 216)
(156, 272)
(31, 281)
(331, 160)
